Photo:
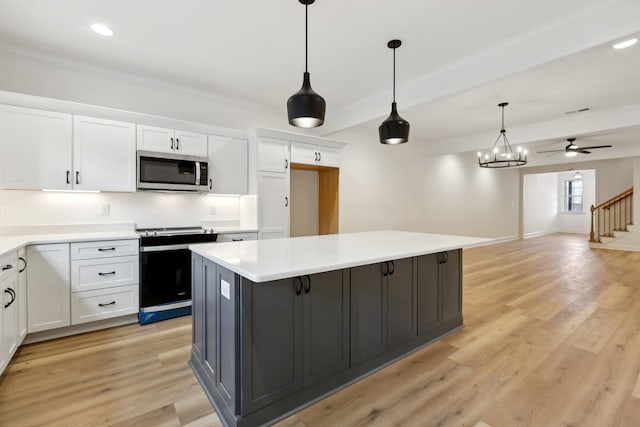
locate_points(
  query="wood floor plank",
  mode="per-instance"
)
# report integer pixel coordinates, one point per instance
(551, 338)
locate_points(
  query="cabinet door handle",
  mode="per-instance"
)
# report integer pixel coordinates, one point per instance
(7, 267)
(11, 293)
(319, 156)
(316, 154)
(181, 294)
(393, 268)
(299, 289)
(286, 202)
(446, 257)
(106, 249)
(107, 274)
(240, 239)
(25, 264)
(172, 143)
(210, 184)
(68, 177)
(77, 177)
(383, 270)
(177, 144)
(105, 305)
(307, 289)
(286, 163)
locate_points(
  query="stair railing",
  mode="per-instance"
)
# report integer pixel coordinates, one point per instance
(613, 215)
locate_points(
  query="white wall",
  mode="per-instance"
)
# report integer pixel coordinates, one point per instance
(540, 204)
(576, 222)
(400, 187)
(304, 203)
(95, 86)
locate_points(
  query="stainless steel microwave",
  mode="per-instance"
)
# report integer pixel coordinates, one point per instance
(172, 172)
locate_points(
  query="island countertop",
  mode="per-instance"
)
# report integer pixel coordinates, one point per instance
(273, 259)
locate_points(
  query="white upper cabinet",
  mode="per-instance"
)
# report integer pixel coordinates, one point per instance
(35, 149)
(310, 154)
(164, 140)
(273, 205)
(191, 143)
(273, 155)
(104, 155)
(228, 165)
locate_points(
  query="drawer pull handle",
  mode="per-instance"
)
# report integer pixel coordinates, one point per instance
(7, 267)
(107, 274)
(104, 305)
(239, 239)
(106, 249)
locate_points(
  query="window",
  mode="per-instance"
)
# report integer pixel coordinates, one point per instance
(573, 192)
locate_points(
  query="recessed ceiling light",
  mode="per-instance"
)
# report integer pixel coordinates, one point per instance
(102, 29)
(625, 44)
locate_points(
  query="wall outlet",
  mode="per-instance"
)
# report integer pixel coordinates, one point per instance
(105, 209)
(212, 210)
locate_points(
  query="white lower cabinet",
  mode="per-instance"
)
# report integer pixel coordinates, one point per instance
(92, 274)
(48, 287)
(104, 280)
(9, 320)
(88, 306)
(22, 295)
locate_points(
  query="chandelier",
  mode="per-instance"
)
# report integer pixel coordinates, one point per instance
(502, 155)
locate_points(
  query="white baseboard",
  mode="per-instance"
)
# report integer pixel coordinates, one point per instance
(538, 233)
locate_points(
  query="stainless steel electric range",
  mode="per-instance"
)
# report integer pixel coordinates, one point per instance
(165, 270)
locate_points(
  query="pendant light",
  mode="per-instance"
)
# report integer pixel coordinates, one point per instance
(395, 129)
(306, 108)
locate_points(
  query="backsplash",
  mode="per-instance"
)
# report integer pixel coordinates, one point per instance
(145, 209)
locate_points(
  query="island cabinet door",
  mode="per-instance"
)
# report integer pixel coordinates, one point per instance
(402, 304)
(325, 325)
(271, 317)
(209, 317)
(368, 312)
(451, 285)
(429, 310)
(224, 320)
(198, 307)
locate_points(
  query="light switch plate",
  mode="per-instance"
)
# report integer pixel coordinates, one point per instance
(225, 289)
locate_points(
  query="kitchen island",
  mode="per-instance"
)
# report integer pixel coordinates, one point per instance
(279, 324)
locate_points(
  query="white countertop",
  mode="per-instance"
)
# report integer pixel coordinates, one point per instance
(266, 260)
(12, 243)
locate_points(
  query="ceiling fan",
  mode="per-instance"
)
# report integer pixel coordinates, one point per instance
(572, 149)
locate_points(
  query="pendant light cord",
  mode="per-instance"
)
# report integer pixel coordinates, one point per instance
(394, 74)
(503, 118)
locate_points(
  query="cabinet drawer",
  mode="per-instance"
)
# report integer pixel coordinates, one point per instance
(103, 249)
(8, 265)
(90, 274)
(236, 237)
(103, 304)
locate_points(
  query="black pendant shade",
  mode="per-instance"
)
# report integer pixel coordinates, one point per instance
(395, 129)
(306, 108)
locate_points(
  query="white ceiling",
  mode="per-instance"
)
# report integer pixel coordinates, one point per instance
(457, 61)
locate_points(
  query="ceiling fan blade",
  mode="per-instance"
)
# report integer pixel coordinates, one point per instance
(595, 146)
(550, 151)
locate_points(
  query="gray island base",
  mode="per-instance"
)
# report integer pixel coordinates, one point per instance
(270, 344)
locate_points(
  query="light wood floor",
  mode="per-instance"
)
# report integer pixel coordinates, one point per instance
(551, 338)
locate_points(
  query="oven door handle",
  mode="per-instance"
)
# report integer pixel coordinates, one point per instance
(163, 248)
